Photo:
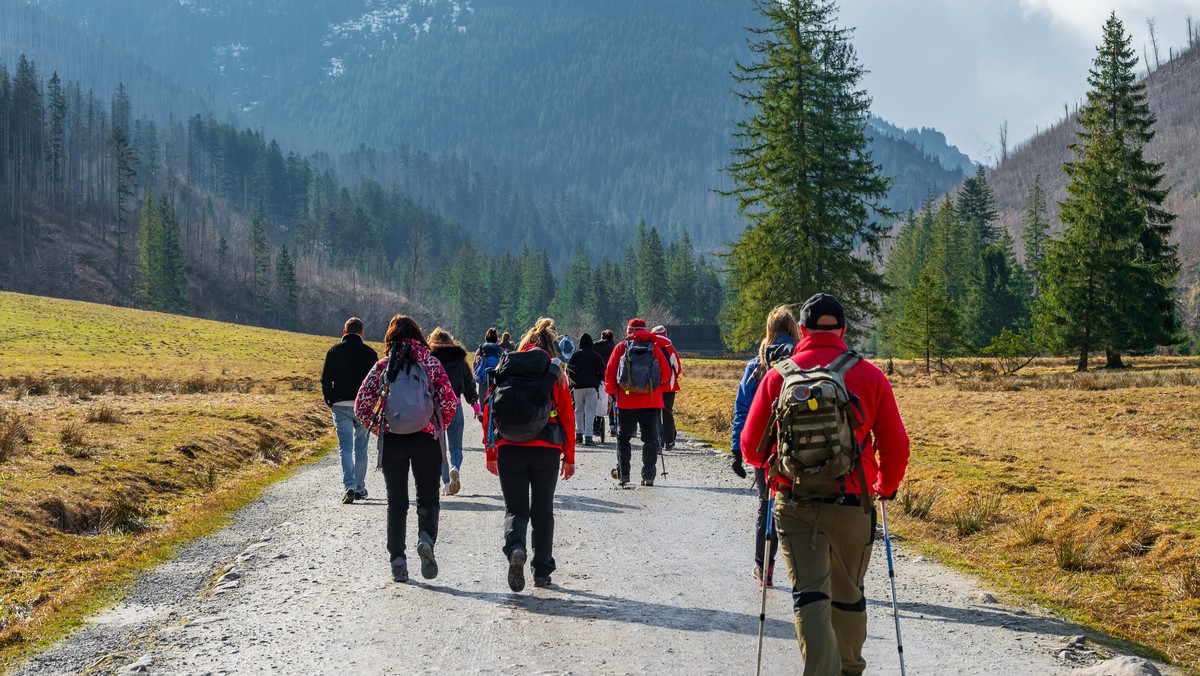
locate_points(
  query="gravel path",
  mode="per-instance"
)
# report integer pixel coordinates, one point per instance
(650, 580)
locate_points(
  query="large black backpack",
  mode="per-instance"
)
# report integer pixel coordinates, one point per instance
(638, 370)
(522, 397)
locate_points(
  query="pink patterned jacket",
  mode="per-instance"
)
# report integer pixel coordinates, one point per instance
(368, 405)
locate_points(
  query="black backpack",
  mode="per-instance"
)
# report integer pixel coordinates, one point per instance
(638, 370)
(522, 397)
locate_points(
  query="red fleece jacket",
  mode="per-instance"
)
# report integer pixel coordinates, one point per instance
(881, 432)
(631, 400)
(564, 414)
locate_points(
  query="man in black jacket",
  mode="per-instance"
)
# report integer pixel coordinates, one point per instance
(604, 347)
(346, 365)
(585, 370)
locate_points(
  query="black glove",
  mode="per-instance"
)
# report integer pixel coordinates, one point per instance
(889, 497)
(737, 467)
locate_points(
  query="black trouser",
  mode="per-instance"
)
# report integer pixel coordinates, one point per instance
(528, 476)
(760, 525)
(629, 420)
(667, 430)
(424, 454)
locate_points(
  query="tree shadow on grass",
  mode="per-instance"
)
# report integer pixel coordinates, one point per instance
(585, 605)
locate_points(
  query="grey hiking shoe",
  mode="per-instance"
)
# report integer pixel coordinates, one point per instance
(400, 570)
(429, 568)
(516, 569)
(348, 497)
(541, 580)
(648, 482)
(621, 479)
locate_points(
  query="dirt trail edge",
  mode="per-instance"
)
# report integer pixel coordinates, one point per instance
(650, 580)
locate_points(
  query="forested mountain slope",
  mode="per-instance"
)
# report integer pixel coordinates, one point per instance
(630, 106)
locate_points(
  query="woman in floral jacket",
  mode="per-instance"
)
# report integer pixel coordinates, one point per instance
(406, 346)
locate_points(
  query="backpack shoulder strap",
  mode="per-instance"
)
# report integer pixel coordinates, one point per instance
(845, 361)
(787, 367)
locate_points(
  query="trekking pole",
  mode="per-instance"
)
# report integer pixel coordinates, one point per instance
(887, 545)
(762, 609)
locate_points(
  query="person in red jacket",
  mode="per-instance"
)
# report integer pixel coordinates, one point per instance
(529, 471)
(637, 410)
(826, 542)
(667, 431)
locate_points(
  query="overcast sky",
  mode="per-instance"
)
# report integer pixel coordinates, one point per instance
(966, 66)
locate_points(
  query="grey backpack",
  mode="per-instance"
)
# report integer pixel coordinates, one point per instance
(408, 399)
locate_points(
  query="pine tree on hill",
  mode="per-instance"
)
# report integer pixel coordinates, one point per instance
(803, 173)
(931, 329)
(1036, 234)
(977, 210)
(1110, 277)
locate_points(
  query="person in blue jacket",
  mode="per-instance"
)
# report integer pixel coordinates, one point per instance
(782, 335)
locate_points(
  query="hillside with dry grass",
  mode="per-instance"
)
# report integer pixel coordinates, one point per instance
(1174, 100)
(124, 434)
(1074, 490)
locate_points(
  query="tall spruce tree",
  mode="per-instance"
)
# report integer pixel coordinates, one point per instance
(931, 328)
(260, 259)
(977, 211)
(803, 172)
(1111, 276)
(1036, 234)
(124, 163)
(287, 306)
(996, 297)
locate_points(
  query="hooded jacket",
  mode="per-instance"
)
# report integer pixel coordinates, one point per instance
(604, 347)
(885, 445)
(585, 369)
(368, 405)
(564, 407)
(454, 360)
(745, 394)
(633, 400)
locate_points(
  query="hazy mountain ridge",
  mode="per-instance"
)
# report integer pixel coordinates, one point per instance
(634, 109)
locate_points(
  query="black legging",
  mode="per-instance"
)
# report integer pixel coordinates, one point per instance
(423, 453)
(528, 477)
(760, 525)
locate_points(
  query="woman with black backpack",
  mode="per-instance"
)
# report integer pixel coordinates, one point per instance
(529, 420)
(585, 371)
(454, 358)
(408, 401)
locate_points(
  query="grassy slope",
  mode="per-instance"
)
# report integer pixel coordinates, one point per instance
(1083, 486)
(124, 434)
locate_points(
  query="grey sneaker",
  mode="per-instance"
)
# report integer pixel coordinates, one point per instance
(541, 580)
(648, 482)
(429, 568)
(348, 497)
(360, 495)
(400, 570)
(516, 569)
(616, 474)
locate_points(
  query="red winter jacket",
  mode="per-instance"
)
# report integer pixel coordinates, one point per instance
(881, 432)
(674, 362)
(564, 414)
(630, 400)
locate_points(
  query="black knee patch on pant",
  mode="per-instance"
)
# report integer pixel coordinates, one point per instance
(801, 599)
(860, 607)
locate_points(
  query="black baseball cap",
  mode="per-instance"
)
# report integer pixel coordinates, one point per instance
(821, 305)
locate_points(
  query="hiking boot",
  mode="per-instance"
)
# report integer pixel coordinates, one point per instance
(588, 441)
(648, 482)
(360, 495)
(516, 569)
(399, 570)
(621, 480)
(669, 447)
(758, 575)
(579, 438)
(348, 497)
(429, 568)
(452, 489)
(541, 580)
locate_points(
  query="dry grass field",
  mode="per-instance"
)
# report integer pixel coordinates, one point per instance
(124, 434)
(1078, 491)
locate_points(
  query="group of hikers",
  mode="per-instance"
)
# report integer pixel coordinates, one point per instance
(817, 424)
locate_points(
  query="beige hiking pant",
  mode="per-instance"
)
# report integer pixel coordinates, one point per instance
(827, 548)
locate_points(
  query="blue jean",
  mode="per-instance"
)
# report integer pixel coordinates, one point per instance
(352, 442)
(454, 443)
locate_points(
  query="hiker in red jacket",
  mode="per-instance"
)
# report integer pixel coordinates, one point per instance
(529, 468)
(637, 382)
(826, 541)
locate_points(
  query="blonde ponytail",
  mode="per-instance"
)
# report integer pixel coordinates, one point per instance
(779, 321)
